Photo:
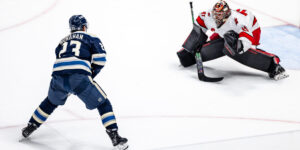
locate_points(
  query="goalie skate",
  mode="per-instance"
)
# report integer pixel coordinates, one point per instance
(281, 76)
(278, 73)
(121, 146)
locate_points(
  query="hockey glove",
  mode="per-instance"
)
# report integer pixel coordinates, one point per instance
(96, 70)
(232, 45)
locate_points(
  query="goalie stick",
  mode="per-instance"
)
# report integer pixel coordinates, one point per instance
(199, 63)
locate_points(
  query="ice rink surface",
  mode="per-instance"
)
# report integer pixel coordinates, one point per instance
(159, 104)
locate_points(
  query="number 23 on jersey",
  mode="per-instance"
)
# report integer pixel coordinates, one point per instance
(69, 46)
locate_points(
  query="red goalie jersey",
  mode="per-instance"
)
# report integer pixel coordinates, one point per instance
(241, 21)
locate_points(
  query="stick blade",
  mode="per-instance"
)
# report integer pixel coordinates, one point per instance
(202, 77)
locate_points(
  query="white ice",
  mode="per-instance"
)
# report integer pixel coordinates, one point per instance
(159, 105)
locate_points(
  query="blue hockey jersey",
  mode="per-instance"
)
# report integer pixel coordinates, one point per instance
(79, 52)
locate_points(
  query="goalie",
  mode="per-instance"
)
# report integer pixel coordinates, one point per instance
(236, 34)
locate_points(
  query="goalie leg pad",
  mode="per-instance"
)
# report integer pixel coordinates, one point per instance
(212, 50)
(195, 40)
(257, 59)
(186, 58)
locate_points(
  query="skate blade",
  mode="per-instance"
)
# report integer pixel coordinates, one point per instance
(281, 76)
(123, 146)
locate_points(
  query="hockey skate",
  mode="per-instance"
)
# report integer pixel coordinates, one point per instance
(29, 129)
(118, 142)
(278, 73)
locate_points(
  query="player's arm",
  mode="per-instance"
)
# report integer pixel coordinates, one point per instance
(197, 37)
(57, 50)
(246, 38)
(238, 43)
(98, 56)
(245, 31)
(200, 21)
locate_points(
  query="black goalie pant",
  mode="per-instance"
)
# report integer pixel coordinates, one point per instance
(255, 58)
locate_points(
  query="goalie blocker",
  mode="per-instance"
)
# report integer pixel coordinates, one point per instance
(192, 44)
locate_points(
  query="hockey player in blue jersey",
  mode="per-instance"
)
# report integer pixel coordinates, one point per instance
(79, 58)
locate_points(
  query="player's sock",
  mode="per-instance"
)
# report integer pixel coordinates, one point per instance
(107, 115)
(42, 112)
(39, 116)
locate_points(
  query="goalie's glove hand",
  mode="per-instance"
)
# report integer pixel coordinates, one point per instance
(232, 45)
(240, 47)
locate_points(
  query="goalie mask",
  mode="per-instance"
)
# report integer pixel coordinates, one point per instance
(221, 12)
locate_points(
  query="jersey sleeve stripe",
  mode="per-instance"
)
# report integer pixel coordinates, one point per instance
(247, 36)
(256, 36)
(254, 21)
(201, 22)
(98, 55)
(99, 59)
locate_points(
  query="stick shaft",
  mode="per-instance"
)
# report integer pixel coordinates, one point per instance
(192, 12)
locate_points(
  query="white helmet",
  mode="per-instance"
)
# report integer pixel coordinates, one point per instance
(221, 12)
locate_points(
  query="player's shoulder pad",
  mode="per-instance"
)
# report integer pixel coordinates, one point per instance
(63, 39)
(242, 12)
(89, 34)
(92, 37)
(243, 16)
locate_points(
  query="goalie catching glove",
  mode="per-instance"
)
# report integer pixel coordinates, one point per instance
(232, 45)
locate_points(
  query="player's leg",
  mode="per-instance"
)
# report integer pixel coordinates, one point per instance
(94, 97)
(212, 50)
(197, 41)
(255, 58)
(57, 95)
(193, 42)
(209, 51)
(186, 58)
(261, 60)
(39, 116)
(109, 121)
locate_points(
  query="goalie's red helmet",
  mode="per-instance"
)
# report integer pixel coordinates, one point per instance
(221, 12)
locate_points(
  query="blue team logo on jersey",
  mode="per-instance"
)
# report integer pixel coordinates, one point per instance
(283, 41)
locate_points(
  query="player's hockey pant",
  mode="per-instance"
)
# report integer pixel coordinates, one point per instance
(254, 58)
(85, 88)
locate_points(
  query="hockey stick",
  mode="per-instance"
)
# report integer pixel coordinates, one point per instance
(199, 63)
